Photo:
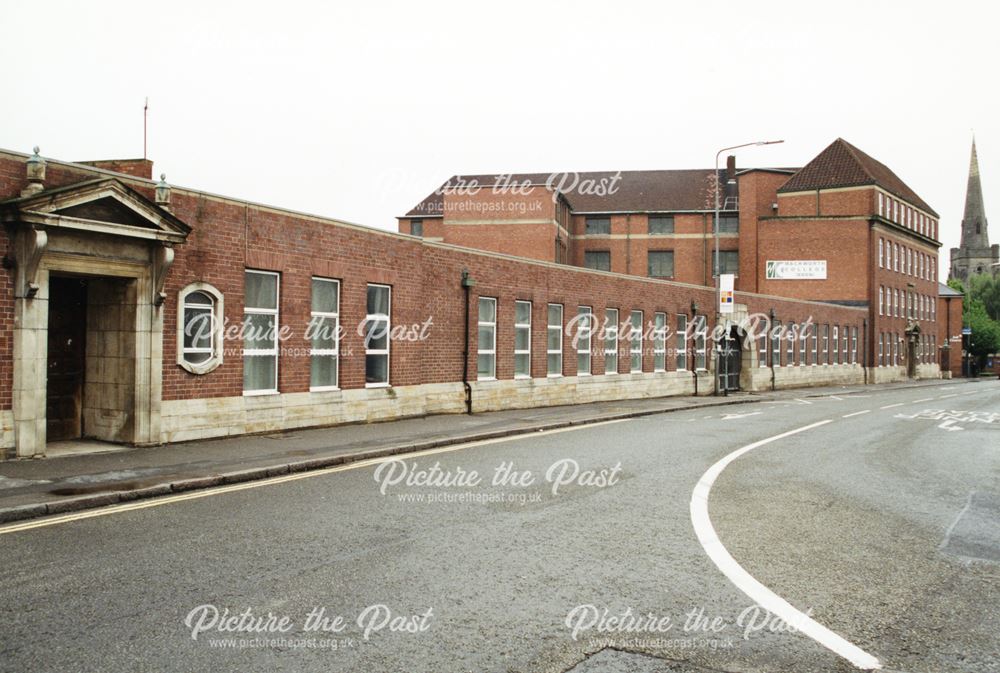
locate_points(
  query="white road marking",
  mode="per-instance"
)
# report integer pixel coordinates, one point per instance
(834, 397)
(745, 582)
(273, 481)
(951, 528)
(729, 417)
(801, 401)
(892, 406)
(944, 397)
(856, 413)
(949, 425)
(922, 399)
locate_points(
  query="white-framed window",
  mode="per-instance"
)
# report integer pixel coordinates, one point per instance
(700, 335)
(200, 317)
(762, 349)
(776, 343)
(803, 346)
(680, 342)
(486, 340)
(880, 241)
(790, 345)
(260, 340)
(324, 334)
(895, 211)
(881, 340)
(611, 341)
(881, 204)
(659, 342)
(378, 325)
(553, 340)
(584, 334)
(895, 257)
(845, 344)
(880, 299)
(635, 342)
(895, 349)
(835, 357)
(814, 358)
(522, 339)
(826, 344)
(895, 302)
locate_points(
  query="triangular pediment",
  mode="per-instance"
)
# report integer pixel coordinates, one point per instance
(105, 206)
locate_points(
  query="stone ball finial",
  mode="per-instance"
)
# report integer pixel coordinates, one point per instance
(163, 176)
(35, 148)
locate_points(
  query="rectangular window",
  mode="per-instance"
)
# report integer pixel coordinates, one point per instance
(825, 359)
(376, 333)
(597, 226)
(583, 337)
(554, 340)
(729, 260)
(881, 204)
(881, 354)
(845, 344)
(417, 227)
(260, 345)
(661, 263)
(597, 259)
(729, 224)
(661, 224)
(701, 329)
(895, 349)
(803, 346)
(611, 341)
(835, 358)
(659, 342)
(522, 339)
(762, 349)
(881, 290)
(790, 346)
(635, 341)
(814, 358)
(486, 367)
(324, 334)
(776, 343)
(880, 251)
(681, 342)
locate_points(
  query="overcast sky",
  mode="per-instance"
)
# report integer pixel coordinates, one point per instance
(357, 112)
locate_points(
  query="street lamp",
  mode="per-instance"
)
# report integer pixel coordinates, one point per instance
(716, 270)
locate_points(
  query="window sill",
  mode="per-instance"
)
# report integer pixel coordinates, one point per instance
(486, 378)
(553, 376)
(522, 377)
(324, 389)
(259, 393)
(377, 385)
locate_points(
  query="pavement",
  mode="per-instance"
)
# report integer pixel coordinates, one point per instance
(31, 488)
(874, 510)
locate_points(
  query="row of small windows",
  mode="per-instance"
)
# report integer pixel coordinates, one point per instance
(200, 332)
(657, 225)
(897, 303)
(659, 263)
(843, 349)
(902, 259)
(586, 324)
(902, 214)
(892, 349)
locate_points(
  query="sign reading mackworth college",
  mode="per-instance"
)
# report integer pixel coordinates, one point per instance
(796, 269)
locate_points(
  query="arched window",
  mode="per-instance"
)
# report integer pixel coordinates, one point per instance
(199, 328)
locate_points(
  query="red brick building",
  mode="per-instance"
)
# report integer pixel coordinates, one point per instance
(136, 312)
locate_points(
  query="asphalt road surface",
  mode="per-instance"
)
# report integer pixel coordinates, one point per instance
(567, 550)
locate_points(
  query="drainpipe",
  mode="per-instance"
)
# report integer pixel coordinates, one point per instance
(868, 356)
(770, 350)
(467, 284)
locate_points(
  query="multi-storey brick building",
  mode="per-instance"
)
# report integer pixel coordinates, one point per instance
(132, 311)
(843, 229)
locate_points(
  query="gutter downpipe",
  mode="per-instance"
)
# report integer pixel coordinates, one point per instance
(467, 284)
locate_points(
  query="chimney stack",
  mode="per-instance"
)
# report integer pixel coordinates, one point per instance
(730, 167)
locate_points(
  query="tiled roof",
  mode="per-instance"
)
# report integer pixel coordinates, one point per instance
(948, 291)
(844, 165)
(637, 191)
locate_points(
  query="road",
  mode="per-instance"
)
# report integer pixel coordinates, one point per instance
(879, 526)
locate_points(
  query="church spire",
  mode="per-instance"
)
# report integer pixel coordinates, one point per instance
(974, 233)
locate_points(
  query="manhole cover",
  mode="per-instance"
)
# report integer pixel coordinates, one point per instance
(616, 661)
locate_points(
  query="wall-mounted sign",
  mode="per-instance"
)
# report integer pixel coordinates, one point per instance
(726, 295)
(796, 269)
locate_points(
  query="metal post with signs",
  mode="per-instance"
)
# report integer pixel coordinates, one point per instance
(726, 305)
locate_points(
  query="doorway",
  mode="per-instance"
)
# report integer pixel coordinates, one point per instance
(730, 361)
(67, 358)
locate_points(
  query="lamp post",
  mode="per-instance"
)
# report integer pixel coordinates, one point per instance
(716, 271)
